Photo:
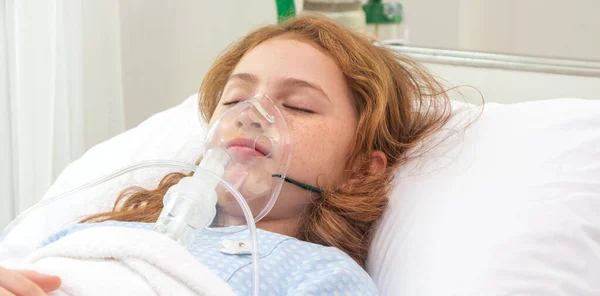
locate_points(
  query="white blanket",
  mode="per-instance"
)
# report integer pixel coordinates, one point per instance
(111, 260)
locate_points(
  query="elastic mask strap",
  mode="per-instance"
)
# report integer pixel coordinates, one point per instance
(299, 184)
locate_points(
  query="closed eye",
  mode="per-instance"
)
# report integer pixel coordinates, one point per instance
(230, 103)
(299, 109)
(292, 108)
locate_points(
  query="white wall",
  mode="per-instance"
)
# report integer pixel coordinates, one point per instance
(167, 46)
(569, 29)
(433, 23)
(552, 28)
(506, 86)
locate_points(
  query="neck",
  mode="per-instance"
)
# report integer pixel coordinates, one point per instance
(287, 226)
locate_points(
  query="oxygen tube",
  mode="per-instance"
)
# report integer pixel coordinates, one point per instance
(190, 206)
(210, 176)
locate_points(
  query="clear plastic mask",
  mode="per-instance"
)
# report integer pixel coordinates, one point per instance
(256, 136)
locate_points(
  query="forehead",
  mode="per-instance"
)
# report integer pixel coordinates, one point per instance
(290, 58)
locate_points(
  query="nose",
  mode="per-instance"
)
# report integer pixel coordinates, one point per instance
(257, 125)
(248, 121)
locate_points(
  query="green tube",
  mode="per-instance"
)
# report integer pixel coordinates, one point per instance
(285, 9)
(298, 183)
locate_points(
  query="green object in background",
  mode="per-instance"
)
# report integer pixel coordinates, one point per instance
(285, 9)
(383, 13)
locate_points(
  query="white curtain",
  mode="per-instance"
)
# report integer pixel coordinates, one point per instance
(60, 91)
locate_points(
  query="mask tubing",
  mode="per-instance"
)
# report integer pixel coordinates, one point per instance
(251, 228)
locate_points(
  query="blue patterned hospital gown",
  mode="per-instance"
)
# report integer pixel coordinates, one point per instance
(287, 266)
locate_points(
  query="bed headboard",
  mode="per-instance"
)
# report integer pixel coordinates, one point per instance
(509, 78)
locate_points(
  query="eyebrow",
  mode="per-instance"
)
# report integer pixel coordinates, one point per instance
(298, 83)
(244, 77)
(287, 82)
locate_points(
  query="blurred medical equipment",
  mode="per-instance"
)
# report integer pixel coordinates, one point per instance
(386, 21)
(347, 12)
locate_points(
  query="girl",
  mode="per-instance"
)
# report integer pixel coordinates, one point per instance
(354, 109)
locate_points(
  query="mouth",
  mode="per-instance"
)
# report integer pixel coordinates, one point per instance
(248, 147)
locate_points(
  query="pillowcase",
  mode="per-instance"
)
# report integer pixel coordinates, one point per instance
(510, 206)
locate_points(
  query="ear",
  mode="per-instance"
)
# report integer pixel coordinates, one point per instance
(377, 162)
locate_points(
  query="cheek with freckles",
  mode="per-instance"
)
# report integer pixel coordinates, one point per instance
(319, 152)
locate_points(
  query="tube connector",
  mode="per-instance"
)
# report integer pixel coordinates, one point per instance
(191, 203)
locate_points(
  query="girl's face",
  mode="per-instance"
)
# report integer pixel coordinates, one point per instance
(316, 103)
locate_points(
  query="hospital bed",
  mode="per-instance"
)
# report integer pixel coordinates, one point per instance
(506, 78)
(509, 206)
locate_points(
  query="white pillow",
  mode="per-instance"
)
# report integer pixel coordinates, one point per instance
(511, 207)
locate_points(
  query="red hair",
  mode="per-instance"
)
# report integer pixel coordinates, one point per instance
(398, 103)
